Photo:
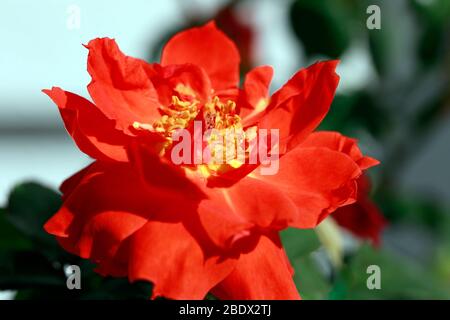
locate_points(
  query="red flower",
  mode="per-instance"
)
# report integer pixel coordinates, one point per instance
(191, 229)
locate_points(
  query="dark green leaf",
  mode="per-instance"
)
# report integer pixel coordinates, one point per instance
(350, 114)
(434, 19)
(30, 205)
(10, 237)
(321, 26)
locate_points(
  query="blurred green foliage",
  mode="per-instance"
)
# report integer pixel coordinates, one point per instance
(322, 27)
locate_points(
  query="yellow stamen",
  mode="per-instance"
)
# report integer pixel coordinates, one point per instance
(143, 126)
(204, 171)
(227, 141)
(185, 90)
(235, 163)
(178, 115)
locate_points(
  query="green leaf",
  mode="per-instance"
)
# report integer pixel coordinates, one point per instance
(311, 283)
(349, 114)
(380, 44)
(30, 205)
(11, 238)
(411, 208)
(299, 242)
(433, 18)
(322, 27)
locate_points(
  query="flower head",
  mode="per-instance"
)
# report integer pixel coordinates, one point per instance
(152, 206)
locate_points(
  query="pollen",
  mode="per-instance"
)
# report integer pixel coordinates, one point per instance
(142, 126)
(219, 115)
(177, 115)
(225, 137)
(204, 171)
(185, 90)
(227, 140)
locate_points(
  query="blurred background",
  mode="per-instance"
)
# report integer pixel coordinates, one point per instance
(394, 97)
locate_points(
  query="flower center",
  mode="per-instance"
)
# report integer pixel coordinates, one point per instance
(226, 139)
(224, 136)
(219, 115)
(175, 116)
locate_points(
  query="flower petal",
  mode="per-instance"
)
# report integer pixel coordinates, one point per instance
(362, 218)
(71, 183)
(226, 214)
(301, 104)
(208, 48)
(255, 96)
(120, 85)
(261, 274)
(338, 142)
(161, 176)
(106, 206)
(93, 133)
(170, 257)
(317, 180)
(181, 80)
(232, 215)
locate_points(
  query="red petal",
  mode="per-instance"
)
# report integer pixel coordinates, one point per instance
(234, 214)
(301, 104)
(161, 176)
(261, 274)
(191, 77)
(338, 142)
(117, 265)
(105, 207)
(93, 133)
(226, 214)
(108, 204)
(318, 180)
(120, 85)
(256, 92)
(362, 218)
(170, 257)
(58, 225)
(208, 48)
